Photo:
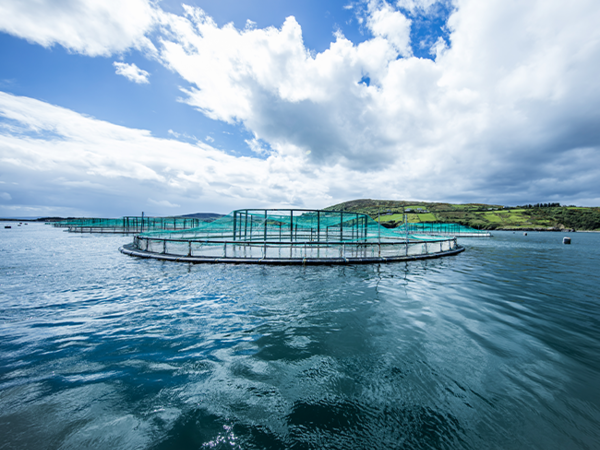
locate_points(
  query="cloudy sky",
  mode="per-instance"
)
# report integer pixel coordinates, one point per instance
(113, 107)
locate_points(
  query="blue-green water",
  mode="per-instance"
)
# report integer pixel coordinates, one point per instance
(498, 347)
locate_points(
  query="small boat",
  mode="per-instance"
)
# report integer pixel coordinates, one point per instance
(7, 226)
(566, 240)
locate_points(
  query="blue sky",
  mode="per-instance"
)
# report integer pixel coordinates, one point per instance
(117, 107)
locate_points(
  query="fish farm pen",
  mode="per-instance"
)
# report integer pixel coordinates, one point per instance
(442, 229)
(290, 236)
(128, 224)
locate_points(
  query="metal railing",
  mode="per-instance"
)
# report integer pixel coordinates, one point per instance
(281, 250)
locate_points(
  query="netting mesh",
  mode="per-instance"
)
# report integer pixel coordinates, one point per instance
(128, 224)
(292, 234)
(441, 229)
(290, 226)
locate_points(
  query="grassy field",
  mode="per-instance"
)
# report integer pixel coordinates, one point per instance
(391, 218)
(412, 218)
(478, 215)
(428, 217)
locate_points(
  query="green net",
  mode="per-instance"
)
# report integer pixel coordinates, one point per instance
(289, 226)
(128, 224)
(292, 234)
(441, 229)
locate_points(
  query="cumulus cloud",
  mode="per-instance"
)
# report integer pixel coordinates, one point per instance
(392, 25)
(507, 112)
(131, 72)
(267, 79)
(502, 105)
(90, 27)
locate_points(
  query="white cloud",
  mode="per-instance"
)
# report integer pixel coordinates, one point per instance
(268, 80)
(413, 5)
(132, 72)
(91, 27)
(506, 113)
(165, 203)
(92, 165)
(439, 47)
(257, 147)
(490, 119)
(5, 196)
(392, 25)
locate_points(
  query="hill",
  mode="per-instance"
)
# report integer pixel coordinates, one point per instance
(549, 216)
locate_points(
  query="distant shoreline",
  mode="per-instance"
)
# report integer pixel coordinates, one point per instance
(555, 230)
(564, 230)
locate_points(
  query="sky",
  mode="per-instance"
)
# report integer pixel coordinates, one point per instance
(114, 107)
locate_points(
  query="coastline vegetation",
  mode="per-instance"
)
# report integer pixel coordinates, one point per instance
(539, 216)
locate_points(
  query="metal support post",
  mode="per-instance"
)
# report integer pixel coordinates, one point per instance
(234, 224)
(265, 225)
(265, 240)
(318, 226)
(379, 232)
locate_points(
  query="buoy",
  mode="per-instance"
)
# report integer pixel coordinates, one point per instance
(7, 226)
(524, 234)
(566, 240)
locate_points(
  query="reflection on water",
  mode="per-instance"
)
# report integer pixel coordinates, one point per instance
(494, 348)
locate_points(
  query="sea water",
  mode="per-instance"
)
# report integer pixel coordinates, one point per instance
(497, 347)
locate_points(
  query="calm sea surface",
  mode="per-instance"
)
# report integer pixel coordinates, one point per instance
(495, 348)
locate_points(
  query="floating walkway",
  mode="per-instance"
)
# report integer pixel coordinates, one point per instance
(290, 236)
(131, 251)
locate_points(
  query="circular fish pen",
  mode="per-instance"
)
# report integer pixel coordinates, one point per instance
(128, 224)
(290, 236)
(443, 229)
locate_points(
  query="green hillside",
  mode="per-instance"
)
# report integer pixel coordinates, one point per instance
(478, 215)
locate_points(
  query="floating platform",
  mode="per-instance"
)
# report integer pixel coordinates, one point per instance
(131, 251)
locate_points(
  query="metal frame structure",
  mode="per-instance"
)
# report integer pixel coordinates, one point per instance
(128, 224)
(442, 229)
(290, 236)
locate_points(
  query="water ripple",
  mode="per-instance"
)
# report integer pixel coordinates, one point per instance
(494, 348)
